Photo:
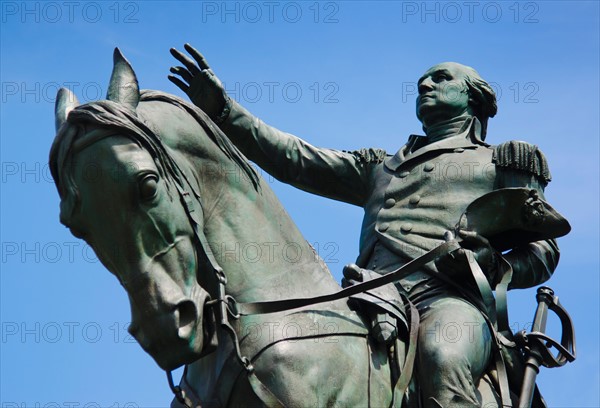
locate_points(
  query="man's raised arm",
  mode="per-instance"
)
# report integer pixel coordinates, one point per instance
(331, 173)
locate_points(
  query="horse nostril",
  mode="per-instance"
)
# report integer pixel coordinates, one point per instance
(187, 314)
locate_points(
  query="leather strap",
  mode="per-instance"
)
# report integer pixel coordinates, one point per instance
(485, 290)
(500, 365)
(188, 204)
(502, 303)
(504, 333)
(491, 317)
(263, 392)
(406, 371)
(503, 380)
(247, 309)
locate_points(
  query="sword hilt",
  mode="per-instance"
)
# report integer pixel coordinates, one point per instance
(536, 345)
(537, 340)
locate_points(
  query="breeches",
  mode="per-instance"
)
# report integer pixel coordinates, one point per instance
(453, 351)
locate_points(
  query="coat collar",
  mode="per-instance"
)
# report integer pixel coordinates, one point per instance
(417, 146)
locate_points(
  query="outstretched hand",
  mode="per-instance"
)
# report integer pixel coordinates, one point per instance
(198, 81)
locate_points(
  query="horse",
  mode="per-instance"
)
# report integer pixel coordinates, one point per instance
(190, 230)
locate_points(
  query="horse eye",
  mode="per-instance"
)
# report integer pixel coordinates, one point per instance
(148, 187)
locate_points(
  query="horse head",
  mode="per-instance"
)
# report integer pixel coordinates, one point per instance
(121, 191)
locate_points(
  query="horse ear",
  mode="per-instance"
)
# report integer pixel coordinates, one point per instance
(65, 102)
(123, 87)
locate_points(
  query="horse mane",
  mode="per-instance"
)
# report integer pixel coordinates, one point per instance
(211, 129)
(117, 118)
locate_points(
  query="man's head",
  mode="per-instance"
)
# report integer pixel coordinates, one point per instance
(448, 90)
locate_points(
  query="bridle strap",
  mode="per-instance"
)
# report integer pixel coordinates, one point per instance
(192, 214)
(222, 299)
(178, 392)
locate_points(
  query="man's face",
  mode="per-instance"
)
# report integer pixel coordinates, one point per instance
(443, 93)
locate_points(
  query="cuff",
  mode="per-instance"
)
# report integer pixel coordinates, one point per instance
(225, 112)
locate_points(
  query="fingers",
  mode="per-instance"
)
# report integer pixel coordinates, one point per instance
(182, 72)
(197, 56)
(352, 272)
(186, 61)
(473, 237)
(182, 85)
(467, 234)
(451, 264)
(352, 275)
(458, 254)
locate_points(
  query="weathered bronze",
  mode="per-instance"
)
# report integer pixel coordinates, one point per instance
(171, 195)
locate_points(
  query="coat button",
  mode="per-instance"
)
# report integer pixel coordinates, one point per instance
(429, 167)
(389, 203)
(406, 227)
(459, 150)
(414, 200)
(404, 174)
(383, 227)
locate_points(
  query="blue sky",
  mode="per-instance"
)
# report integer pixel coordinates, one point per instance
(338, 74)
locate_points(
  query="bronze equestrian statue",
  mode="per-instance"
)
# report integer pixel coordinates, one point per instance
(161, 191)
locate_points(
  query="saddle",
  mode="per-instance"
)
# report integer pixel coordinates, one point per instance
(383, 306)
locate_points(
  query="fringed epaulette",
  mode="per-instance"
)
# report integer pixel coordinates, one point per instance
(369, 155)
(522, 156)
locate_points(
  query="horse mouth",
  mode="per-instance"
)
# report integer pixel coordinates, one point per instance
(180, 336)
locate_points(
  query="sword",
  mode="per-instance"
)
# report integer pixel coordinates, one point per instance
(536, 345)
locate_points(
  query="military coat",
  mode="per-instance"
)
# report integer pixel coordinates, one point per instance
(410, 199)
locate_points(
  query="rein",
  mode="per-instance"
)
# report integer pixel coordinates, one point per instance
(254, 308)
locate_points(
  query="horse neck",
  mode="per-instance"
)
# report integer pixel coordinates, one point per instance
(259, 247)
(254, 240)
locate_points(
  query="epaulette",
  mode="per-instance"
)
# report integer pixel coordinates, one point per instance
(522, 156)
(370, 155)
